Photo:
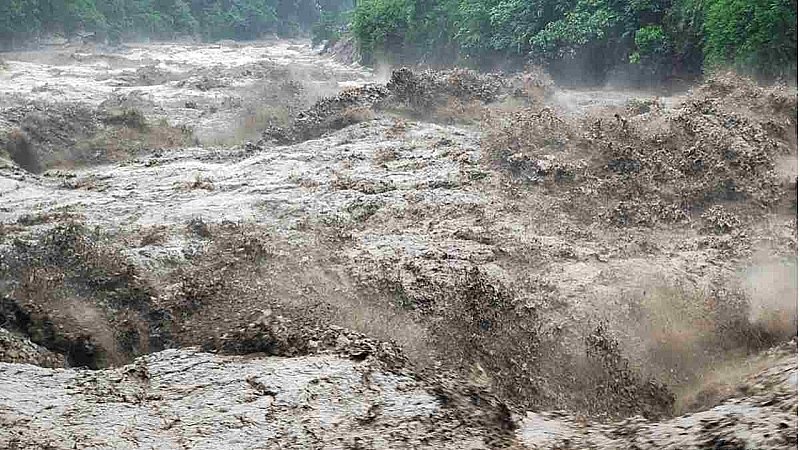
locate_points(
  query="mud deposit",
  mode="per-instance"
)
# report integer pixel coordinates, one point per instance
(255, 246)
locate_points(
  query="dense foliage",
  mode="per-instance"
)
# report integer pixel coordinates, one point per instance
(752, 34)
(118, 19)
(590, 37)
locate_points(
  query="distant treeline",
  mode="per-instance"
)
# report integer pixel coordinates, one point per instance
(114, 20)
(582, 39)
(590, 38)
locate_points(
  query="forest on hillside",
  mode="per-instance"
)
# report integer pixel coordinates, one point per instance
(651, 38)
(579, 39)
(115, 20)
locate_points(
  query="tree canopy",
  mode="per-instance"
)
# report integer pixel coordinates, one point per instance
(118, 19)
(645, 37)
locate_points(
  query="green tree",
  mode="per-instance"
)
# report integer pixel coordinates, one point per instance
(380, 26)
(683, 25)
(757, 36)
(18, 19)
(70, 15)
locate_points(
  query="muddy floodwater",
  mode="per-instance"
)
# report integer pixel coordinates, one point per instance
(256, 245)
(216, 81)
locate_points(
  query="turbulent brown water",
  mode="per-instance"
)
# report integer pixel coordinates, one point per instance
(256, 246)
